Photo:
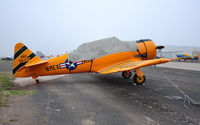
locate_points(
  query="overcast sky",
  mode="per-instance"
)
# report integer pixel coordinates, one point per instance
(55, 26)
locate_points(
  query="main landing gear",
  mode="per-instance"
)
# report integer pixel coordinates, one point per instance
(138, 78)
(126, 74)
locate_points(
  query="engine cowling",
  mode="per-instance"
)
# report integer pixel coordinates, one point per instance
(146, 48)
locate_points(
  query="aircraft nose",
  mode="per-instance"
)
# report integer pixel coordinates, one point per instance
(147, 48)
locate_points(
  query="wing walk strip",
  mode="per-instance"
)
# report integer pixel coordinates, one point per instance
(32, 55)
(114, 66)
(20, 51)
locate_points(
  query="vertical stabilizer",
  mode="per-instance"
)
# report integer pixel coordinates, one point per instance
(22, 55)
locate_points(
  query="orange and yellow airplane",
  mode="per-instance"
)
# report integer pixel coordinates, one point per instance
(27, 64)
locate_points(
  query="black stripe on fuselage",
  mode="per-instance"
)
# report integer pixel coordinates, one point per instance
(32, 55)
(20, 51)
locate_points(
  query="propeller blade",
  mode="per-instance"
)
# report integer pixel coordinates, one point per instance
(160, 47)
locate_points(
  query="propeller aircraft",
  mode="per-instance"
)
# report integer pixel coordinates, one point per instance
(187, 57)
(27, 64)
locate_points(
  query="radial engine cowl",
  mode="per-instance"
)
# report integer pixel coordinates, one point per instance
(146, 48)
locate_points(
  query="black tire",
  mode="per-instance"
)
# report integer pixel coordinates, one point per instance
(139, 80)
(37, 81)
(125, 75)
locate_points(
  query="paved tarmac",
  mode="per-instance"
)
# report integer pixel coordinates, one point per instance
(182, 65)
(5, 66)
(93, 99)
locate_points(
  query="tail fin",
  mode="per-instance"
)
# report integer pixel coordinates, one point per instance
(22, 56)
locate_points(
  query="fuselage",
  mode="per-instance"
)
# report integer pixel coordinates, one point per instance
(61, 65)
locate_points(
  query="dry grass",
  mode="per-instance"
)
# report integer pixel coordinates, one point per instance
(7, 88)
(5, 84)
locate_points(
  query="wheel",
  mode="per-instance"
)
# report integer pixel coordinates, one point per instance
(139, 80)
(126, 75)
(37, 81)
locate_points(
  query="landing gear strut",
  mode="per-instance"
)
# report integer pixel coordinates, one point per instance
(139, 80)
(126, 74)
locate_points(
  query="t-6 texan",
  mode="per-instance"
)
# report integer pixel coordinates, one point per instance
(27, 64)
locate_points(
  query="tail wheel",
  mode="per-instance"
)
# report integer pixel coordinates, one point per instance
(37, 81)
(126, 75)
(139, 80)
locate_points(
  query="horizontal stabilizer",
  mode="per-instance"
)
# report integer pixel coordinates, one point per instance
(37, 63)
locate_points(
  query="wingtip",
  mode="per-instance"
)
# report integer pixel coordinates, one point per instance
(174, 59)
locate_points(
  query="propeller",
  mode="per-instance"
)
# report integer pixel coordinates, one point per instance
(159, 48)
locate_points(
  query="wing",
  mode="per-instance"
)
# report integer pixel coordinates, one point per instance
(132, 64)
